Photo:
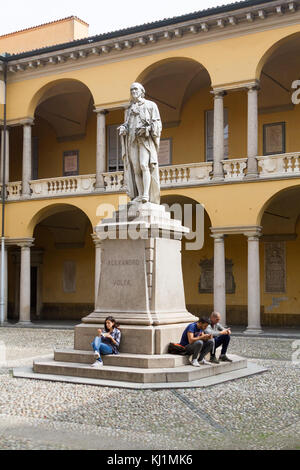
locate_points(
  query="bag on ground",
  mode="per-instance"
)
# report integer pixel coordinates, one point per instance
(175, 348)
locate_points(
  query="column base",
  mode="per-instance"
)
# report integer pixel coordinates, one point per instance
(25, 196)
(24, 323)
(99, 189)
(218, 178)
(253, 331)
(251, 176)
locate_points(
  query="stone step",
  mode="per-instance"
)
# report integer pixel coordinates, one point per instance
(183, 373)
(143, 361)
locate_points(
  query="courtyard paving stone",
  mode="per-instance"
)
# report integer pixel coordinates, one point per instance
(258, 412)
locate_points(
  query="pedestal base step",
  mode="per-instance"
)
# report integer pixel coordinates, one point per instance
(155, 375)
(144, 361)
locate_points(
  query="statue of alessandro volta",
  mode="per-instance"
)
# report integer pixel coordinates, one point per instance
(140, 138)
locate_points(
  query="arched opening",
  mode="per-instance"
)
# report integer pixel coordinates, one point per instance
(198, 266)
(181, 89)
(62, 266)
(171, 83)
(63, 134)
(278, 115)
(197, 276)
(280, 256)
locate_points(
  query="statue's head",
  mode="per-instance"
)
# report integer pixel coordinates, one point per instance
(137, 91)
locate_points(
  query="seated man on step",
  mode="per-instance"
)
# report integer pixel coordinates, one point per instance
(196, 342)
(221, 337)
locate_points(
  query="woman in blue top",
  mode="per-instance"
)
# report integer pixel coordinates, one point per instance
(107, 342)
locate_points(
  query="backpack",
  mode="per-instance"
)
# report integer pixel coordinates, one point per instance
(175, 348)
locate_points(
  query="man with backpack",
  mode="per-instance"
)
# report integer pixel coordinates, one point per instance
(196, 342)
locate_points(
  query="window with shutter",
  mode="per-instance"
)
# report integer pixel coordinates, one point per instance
(209, 134)
(115, 162)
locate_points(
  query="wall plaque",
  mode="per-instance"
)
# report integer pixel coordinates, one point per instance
(206, 283)
(274, 138)
(69, 277)
(275, 269)
(71, 163)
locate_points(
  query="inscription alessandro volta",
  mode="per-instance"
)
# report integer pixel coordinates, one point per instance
(123, 262)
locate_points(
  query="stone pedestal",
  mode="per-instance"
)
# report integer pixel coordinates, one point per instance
(141, 283)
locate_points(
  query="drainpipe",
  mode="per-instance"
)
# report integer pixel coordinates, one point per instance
(3, 200)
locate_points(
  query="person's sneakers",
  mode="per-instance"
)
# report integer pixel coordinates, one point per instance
(195, 363)
(225, 358)
(214, 360)
(204, 362)
(97, 364)
(96, 355)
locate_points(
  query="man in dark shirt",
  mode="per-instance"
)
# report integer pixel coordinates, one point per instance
(196, 342)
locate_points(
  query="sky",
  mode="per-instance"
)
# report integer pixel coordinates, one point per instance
(102, 15)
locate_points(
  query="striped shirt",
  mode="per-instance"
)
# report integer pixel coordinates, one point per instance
(116, 335)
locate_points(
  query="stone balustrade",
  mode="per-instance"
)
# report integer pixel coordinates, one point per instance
(189, 174)
(185, 174)
(277, 166)
(234, 168)
(14, 190)
(62, 186)
(113, 181)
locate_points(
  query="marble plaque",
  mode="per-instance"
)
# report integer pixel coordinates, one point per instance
(206, 283)
(69, 276)
(275, 269)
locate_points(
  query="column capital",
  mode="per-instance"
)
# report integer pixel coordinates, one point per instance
(26, 122)
(236, 230)
(218, 94)
(254, 234)
(101, 111)
(25, 242)
(253, 86)
(218, 236)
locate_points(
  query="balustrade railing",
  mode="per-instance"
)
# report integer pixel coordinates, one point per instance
(285, 164)
(14, 190)
(62, 186)
(188, 174)
(234, 168)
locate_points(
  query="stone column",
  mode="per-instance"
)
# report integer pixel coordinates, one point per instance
(219, 276)
(5, 281)
(218, 143)
(254, 325)
(6, 156)
(25, 281)
(252, 145)
(101, 148)
(27, 164)
(97, 243)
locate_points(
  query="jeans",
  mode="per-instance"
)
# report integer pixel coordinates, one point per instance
(200, 348)
(221, 340)
(101, 348)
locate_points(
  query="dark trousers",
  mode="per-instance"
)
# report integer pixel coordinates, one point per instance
(221, 340)
(199, 348)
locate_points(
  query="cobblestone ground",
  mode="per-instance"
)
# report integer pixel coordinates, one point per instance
(259, 412)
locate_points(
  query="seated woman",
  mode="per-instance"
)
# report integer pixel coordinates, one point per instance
(107, 342)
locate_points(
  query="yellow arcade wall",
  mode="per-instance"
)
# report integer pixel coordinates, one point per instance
(225, 61)
(280, 308)
(239, 204)
(188, 138)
